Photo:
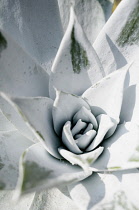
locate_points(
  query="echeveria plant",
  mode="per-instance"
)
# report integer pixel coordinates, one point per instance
(82, 132)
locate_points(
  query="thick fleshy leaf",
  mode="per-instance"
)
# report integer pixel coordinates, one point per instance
(105, 127)
(53, 198)
(85, 139)
(12, 115)
(83, 160)
(39, 170)
(92, 15)
(76, 65)
(7, 202)
(19, 74)
(78, 127)
(64, 108)
(5, 124)
(118, 190)
(130, 106)
(106, 96)
(86, 116)
(68, 140)
(119, 37)
(12, 145)
(37, 114)
(121, 150)
(39, 34)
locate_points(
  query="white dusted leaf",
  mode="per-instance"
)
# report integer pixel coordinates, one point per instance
(7, 202)
(83, 160)
(106, 125)
(76, 65)
(68, 140)
(119, 38)
(53, 199)
(117, 190)
(14, 117)
(39, 170)
(92, 15)
(19, 74)
(5, 124)
(37, 114)
(35, 26)
(12, 146)
(64, 108)
(121, 151)
(106, 95)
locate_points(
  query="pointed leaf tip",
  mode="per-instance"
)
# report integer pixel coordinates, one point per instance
(76, 65)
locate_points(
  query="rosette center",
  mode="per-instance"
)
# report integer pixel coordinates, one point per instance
(78, 133)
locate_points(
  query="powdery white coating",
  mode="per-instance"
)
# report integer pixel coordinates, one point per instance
(90, 14)
(55, 198)
(35, 174)
(62, 112)
(76, 65)
(12, 145)
(97, 94)
(25, 77)
(37, 33)
(114, 156)
(5, 124)
(115, 55)
(83, 160)
(6, 201)
(40, 121)
(97, 191)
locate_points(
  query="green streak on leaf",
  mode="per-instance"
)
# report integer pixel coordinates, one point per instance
(130, 33)
(90, 160)
(38, 132)
(135, 156)
(33, 174)
(114, 168)
(3, 43)
(1, 164)
(21, 113)
(2, 185)
(78, 55)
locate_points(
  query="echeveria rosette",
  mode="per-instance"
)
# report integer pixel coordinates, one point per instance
(46, 163)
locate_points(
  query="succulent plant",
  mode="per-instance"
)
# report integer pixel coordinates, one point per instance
(74, 127)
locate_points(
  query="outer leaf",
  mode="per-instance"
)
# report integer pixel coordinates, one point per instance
(13, 117)
(12, 146)
(76, 65)
(121, 150)
(7, 203)
(130, 106)
(118, 190)
(53, 199)
(5, 124)
(119, 38)
(37, 114)
(106, 125)
(91, 15)
(19, 74)
(35, 26)
(39, 170)
(64, 108)
(83, 160)
(106, 96)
